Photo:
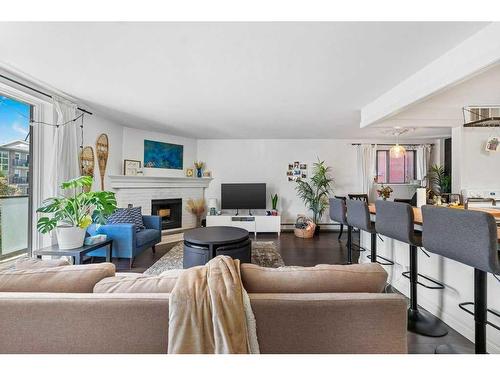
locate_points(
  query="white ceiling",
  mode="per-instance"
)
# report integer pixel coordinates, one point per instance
(230, 80)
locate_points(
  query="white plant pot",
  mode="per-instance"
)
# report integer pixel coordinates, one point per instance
(70, 237)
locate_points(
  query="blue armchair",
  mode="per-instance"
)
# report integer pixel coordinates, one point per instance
(127, 243)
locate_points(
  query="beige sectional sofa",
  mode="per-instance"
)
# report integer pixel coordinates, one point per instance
(89, 309)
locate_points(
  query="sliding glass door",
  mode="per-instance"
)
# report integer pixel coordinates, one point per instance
(15, 168)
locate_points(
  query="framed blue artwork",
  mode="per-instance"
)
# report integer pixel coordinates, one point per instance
(163, 155)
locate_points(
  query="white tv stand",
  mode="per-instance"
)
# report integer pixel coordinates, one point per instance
(252, 223)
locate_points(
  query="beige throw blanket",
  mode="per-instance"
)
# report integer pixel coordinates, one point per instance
(210, 311)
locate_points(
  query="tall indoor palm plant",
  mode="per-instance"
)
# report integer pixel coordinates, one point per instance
(315, 193)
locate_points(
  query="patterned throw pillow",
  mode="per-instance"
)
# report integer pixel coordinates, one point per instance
(120, 216)
(136, 216)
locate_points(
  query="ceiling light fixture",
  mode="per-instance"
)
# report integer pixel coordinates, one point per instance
(397, 151)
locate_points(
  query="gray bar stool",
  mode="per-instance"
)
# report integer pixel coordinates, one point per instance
(338, 212)
(468, 237)
(358, 215)
(395, 220)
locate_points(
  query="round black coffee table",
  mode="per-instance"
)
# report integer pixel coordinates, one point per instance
(203, 244)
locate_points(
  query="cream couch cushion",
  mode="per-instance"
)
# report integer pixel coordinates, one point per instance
(65, 279)
(137, 283)
(323, 278)
(30, 263)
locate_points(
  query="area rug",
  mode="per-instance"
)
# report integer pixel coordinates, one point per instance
(264, 253)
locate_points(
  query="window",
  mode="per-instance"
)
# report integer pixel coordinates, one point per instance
(395, 170)
(4, 161)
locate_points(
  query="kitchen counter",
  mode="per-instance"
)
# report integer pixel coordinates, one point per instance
(417, 214)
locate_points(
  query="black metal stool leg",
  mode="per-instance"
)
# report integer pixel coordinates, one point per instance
(349, 244)
(421, 322)
(480, 319)
(480, 310)
(373, 253)
(341, 230)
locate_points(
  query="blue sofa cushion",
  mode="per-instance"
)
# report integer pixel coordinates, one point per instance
(136, 215)
(145, 236)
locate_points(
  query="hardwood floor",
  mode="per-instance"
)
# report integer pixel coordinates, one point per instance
(326, 249)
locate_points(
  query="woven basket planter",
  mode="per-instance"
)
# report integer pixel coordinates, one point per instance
(308, 231)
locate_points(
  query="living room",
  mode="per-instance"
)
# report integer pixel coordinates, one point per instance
(243, 187)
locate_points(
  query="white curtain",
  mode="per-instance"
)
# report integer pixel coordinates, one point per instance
(64, 151)
(423, 161)
(367, 156)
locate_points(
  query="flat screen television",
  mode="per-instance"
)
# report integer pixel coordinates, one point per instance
(243, 196)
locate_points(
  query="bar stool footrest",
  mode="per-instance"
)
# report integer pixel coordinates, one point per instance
(388, 262)
(471, 312)
(439, 285)
(359, 248)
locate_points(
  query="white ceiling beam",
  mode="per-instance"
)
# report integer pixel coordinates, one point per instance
(472, 56)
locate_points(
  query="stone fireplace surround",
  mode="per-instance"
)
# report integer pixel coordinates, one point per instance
(141, 190)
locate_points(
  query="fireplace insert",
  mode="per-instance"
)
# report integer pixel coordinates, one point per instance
(170, 212)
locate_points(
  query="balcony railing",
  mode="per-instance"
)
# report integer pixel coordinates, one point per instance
(20, 163)
(13, 225)
(19, 180)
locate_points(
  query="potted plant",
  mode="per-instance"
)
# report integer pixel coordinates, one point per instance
(199, 168)
(70, 216)
(274, 201)
(439, 180)
(384, 192)
(315, 193)
(197, 208)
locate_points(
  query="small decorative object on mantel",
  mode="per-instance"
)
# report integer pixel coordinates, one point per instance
(207, 174)
(189, 172)
(102, 150)
(199, 165)
(87, 164)
(274, 201)
(197, 208)
(131, 167)
(384, 192)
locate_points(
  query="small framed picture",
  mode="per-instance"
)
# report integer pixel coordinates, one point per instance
(290, 166)
(207, 174)
(492, 144)
(303, 166)
(303, 175)
(296, 165)
(189, 172)
(131, 167)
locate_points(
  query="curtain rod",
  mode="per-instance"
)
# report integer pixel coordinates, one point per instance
(393, 144)
(38, 91)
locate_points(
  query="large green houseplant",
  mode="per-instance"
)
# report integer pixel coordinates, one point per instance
(315, 193)
(439, 180)
(70, 216)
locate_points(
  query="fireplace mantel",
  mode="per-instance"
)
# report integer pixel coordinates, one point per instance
(147, 182)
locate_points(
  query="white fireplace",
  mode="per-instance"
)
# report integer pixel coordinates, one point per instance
(141, 190)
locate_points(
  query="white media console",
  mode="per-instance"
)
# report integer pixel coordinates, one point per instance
(255, 224)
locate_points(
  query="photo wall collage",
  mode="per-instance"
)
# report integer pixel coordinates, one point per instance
(296, 171)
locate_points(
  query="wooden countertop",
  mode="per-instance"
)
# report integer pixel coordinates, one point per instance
(417, 213)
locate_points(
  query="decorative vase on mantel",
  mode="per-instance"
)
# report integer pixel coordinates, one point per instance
(199, 168)
(199, 172)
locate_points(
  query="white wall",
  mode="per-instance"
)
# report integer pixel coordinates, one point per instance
(133, 148)
(267, 161)
(475, 168)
